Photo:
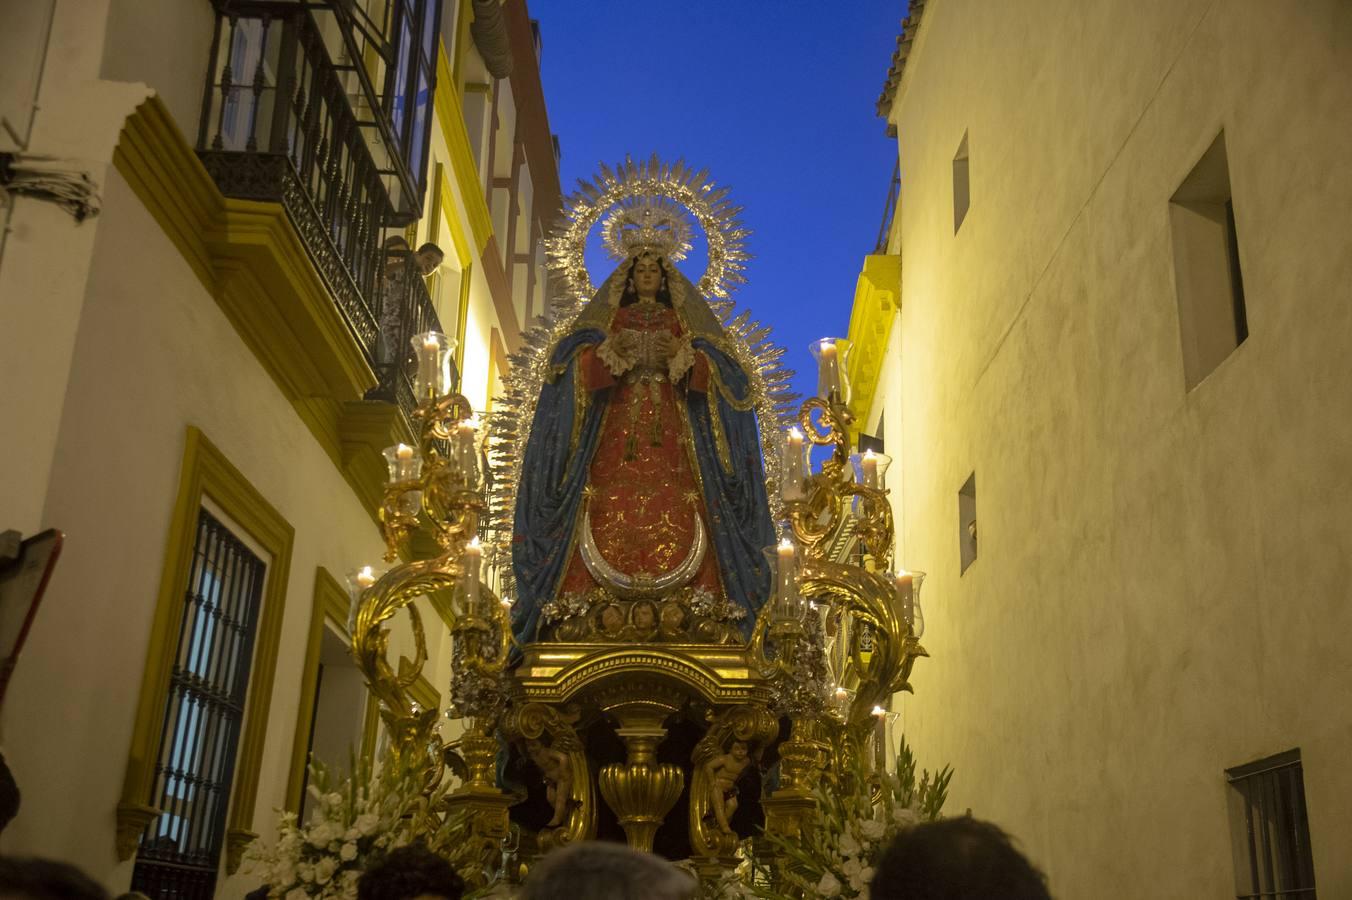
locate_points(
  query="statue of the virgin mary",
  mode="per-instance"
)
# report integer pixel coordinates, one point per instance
(641, 510)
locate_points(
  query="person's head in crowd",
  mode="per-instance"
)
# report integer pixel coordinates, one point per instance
(602, 871)
(956, 859)
(429, 256)
(45, 879)
(410, 873)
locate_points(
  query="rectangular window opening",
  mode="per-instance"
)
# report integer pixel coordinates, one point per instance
(967, 522)
(1212, 317)
(961, 185)
(1269, 829)
(180, 851)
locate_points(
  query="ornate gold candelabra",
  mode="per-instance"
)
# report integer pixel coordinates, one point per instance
(827, 652)
(436, 486)
(875, 613)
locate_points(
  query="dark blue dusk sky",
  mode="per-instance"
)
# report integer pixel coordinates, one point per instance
(775, 99)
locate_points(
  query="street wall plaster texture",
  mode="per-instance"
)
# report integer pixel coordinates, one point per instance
(155, 354)
(1162, 582)
(46, 252)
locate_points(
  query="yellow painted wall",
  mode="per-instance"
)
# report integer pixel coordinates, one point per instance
(1162, 584)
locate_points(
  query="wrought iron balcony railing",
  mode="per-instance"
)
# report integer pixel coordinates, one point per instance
(277, 125)
(283, 122)
(404, 309)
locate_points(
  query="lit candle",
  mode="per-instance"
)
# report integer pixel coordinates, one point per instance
(905, 592)
(473, 555)
(794, 474)
(428, 363)
(869, 465)
(466, 459)
(358, 583)
(402, 469)
(880, 737)
(828, 371)
(788, 586)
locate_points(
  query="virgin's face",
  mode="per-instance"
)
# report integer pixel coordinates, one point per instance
(647, 276)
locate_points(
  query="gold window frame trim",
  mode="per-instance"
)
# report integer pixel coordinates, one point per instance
(206, 472)
(330, 605)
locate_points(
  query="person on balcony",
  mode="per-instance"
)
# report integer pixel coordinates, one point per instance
(398, 318)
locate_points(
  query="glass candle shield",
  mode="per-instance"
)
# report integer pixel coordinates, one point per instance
(870, 470)
(886, 724)
(405, 465)
(832, 356)
(432, 350)
(794, 465)
(471, 591)
(358, 581)
(464, 452)
(783, 559)
(907, 585)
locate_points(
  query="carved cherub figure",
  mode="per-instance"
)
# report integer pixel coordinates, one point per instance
(557, 770)
(645, 618)
(723, 772)
(611, 620)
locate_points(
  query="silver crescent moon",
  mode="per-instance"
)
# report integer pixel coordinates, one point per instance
(634, 586)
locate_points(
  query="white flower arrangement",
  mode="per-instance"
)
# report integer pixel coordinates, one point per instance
(353, 821)
(859, 818)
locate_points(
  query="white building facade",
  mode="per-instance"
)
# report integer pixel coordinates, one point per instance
(1109, 343)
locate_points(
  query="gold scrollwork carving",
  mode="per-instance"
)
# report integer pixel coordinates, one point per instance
(535, 721)
(752, 725)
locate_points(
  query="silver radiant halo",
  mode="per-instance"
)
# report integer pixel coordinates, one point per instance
(668, 193)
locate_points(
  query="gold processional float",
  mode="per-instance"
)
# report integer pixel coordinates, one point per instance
(641, 708)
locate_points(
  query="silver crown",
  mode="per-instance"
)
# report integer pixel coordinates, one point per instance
(654, 224)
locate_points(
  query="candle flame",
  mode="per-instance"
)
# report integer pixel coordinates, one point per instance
(796, 433)
(786, 544)
(474, 544)
(869, 454)
(879, 711)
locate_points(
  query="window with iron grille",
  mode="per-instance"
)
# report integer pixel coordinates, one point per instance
(1270, 831)
(180, 851)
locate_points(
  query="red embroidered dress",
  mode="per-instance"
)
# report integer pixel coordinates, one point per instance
(644, 492)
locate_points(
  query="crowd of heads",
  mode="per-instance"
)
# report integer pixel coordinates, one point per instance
(952, 859)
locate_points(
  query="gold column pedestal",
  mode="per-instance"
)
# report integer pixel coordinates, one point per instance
(641, 791)
(802, 758)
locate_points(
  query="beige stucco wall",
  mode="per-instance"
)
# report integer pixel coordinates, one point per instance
(1162, 584)
(45, 258)
(154, 354)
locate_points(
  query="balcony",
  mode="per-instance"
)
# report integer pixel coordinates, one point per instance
(404, 310)
(288, 117)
